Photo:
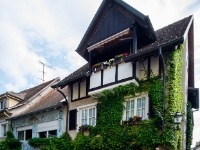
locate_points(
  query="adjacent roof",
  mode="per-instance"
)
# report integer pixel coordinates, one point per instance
(49, 101)
(18, 96)
(168, 35)
(31, 92)
(78, 74)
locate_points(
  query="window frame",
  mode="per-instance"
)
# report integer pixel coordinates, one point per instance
(47, 133)
(145, 95)
(4, 128)
(86, 107)
(24, 134)
(2, 104)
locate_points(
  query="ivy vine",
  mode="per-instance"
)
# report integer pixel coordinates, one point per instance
(189, 128)
(110, 134)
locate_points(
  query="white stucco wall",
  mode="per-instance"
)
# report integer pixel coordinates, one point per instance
(109, 75)
(75, 91)
(95, 79)
(155, 65)
(125, 70)
(83, 89)
(74, 105)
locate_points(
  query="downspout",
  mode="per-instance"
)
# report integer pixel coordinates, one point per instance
(164, 86)
(67, 108)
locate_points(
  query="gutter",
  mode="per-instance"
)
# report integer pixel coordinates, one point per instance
(154, 49)
(164, 85)
(64, 83)
(67, 108)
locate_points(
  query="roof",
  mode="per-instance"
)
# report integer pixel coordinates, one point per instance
(81, 72)
(169, 33)
(166, 36)
(140, 18)
(31, 92)
(51, 100)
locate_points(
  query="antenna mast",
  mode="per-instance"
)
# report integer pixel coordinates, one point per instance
(43, 64)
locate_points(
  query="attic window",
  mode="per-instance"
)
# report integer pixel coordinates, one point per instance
(127, 33)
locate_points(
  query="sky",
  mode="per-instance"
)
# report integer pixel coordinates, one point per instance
(49, 31)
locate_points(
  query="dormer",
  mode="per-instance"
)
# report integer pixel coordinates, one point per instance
(115, 29)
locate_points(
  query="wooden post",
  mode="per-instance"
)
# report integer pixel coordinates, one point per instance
(134, 50)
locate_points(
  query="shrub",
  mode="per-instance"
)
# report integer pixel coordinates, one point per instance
(10, 142)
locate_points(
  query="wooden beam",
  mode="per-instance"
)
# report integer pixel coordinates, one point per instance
(134, 50)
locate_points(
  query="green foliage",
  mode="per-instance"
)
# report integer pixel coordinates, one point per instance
(62, 143)
(189, 128)
(109, 134)
(10, 142)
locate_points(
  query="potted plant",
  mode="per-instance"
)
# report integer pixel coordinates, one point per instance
(136, 120)
(99, 66)
(119, 58)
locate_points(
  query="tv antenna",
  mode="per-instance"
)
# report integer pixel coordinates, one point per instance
(43, 64)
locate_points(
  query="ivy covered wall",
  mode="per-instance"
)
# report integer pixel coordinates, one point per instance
(110, 132)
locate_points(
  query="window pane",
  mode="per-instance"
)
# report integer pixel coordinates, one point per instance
(139, 103)
(143, 102)
(86, 114)
(20, 135)
(93, 121)
(83, 114)
(128, 105)
(93, 112)
(53, 133)
(90, 113)
(28, 134)
(143, 113)
(132, 104)
(43, 134)
(139, 112)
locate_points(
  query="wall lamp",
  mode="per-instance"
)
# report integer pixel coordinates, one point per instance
(177, 119)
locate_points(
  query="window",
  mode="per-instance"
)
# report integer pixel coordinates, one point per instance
(1, 105)
(87, 114)
(136, 107)
(3, 129)
(47, 134)
(24, 135)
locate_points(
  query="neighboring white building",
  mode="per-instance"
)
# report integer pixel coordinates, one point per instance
(34, 112)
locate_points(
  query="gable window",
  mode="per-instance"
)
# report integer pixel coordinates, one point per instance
(137, 106)
(87, 114)
(2, 104)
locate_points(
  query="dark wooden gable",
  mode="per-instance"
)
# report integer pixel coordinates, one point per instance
(112, 17)
(112, 22)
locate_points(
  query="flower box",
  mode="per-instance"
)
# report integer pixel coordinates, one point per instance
(136, 120)
(99, 68)
(118, 61)
(131, 123)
